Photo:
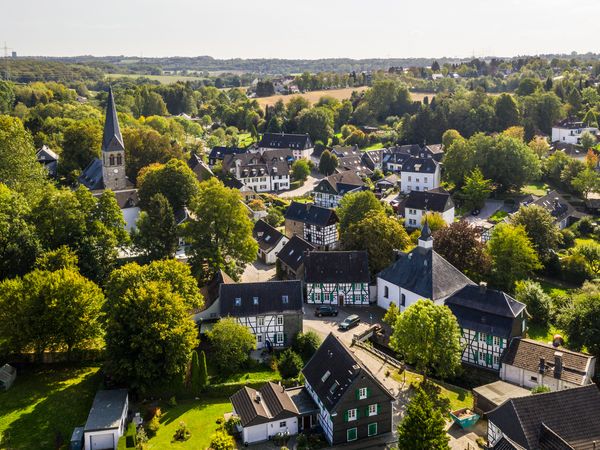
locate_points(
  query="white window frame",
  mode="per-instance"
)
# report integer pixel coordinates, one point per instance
(260, 321)
(362, 393)
(482, 337)
(373, 410)
(279, 338)
(279, 320)
(352, 416)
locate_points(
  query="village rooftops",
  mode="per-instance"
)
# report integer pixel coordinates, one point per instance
(269, 403)
(252, 299)
(217, 153)
(340, 183)
(436, 200)
(527, 354)
(107, 410)
(285, 140)
(336, 267)
(556, 205)
(292, 254)
(311, 214)
(266, 236)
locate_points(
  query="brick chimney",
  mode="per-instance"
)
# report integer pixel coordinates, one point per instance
(558, 364)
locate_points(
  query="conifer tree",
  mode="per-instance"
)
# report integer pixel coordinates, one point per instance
(423, 426)
(203, 371)
(195, 373)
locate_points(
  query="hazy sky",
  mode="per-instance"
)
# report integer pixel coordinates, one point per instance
(300, 28)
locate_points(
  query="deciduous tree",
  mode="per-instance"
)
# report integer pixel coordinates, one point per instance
(175, 180)
(232, 343)
(355, 206)
(156, 234)
(537, 301)
(476, 190)
(327, 163)
(540, 228)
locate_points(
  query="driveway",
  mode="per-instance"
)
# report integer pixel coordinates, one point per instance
(258, 271)
(491, 206)
(310, 183)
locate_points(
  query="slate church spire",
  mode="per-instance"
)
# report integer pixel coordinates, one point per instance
(113, 149)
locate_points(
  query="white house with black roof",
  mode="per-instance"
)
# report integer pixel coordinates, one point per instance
(49, 159)
(106, 421)
(291, 257)
(300, 144)
(353, 405)
(373, 159)
(217, 154)
(329, 192)
(315, 224)
(418, 203)
(270, 241)
(262, 172)
(560, 420)
(569, 131)
(419, 166)
(337, 278)
(271, 310)
(421, 273)
(489, 320)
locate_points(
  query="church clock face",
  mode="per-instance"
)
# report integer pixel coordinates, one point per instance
(116, 170)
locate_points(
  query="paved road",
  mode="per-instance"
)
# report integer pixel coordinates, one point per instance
(491, 206)
(258, 271)
(312, 180)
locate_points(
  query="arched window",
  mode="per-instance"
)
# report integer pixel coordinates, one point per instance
(403, 300)
(119, 160)
(111, 160)
(386, 292)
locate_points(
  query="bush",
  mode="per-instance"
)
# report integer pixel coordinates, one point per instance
(182, 433)
(172, 402)
(541, 389)
(153, 425)
(574, 269)
(289, 364)
(537, 301)
(222, 441)
(141, 438)
(306, 344)
(584, 226)
(231, 423)
(296, 184)
(568, 238)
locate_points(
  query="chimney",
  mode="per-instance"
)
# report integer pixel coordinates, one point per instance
(558, 364)
(542, 368)
(482, 287)
(257, 398)
(556, 202)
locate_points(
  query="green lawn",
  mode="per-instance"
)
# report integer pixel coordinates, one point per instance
(163, 79)
(542, 333)
(245, 139)
(375, 146)
(553, 288)
(498, 216)
(200, 417)
(261, 375)
(538, 188)
(44, 403)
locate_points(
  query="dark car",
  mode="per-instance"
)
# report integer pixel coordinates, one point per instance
(349, 322)
(475, 212)
(326, 310)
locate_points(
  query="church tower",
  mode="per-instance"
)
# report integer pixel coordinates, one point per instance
(113, 149)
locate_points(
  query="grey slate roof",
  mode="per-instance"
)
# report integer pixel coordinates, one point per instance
(526, 354)
(268, 404)
(485, 310)
(556, 205)
(127, 198)
(270, 295)
(285, 140)
(344, 369)
(111, 139)
(311, 214)
(353, 163)
(218, 153)
(106, 410)
(255, 165)
(92, 177)
(266, 236)
(420, 165)
(336, 267)
(200, 168)
(571, 415)
(426, 273)
(292, 254)
(340, 183)
(436, 200)
(374, 158)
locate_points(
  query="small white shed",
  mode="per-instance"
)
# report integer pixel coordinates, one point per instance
(106, 421)
(8, 374)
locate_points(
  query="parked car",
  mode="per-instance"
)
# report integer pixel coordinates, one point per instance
(475, 212)
(326, 310)
(349, 322)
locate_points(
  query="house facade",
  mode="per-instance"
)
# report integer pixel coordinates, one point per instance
(418, 174)
(270, 241)
(530, 363)
(337, 278)
(329, 192)
(49, 159)
(489, 320)
(569, 132)
(315, 224)
(418, 203)
(261, 173)
(300, 145)
(352, 404)
(291, 258)
(272, 310)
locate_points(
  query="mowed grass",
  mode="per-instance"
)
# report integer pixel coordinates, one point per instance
(254, 376)
(537, 188)
(200, 416)
(44, 403)
(313, 96)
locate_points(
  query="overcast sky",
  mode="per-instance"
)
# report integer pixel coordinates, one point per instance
(299, 29)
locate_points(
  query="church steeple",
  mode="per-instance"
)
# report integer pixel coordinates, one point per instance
(113, 149)
(425, 239)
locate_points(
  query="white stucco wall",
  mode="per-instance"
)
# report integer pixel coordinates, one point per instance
(264, 431)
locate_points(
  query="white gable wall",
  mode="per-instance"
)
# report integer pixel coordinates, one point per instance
(394, 295)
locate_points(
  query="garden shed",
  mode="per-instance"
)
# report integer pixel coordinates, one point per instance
(8, 374)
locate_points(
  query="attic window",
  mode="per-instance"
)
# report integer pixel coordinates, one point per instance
(267, 237)
(238, 301)
(291, 252)
(325, 376)
(284, 299)
(334, 387)
(255, 300)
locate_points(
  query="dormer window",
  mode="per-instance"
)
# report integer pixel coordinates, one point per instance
(255, 300)
(284, 299)
(238, 301)
(325, 376)
(334, 387)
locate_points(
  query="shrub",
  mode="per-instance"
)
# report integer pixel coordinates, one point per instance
(537, 301)
(541, 389)
(141, 438)
(172, 402)
(574, 269)
(153, 425)
(290, 364)
(584, 226)
(222, 441)
(231, 423)
(306, 344)
(568, 238)
(182, 433)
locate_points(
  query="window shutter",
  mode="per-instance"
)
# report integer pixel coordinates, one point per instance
(357, 394)
(357, 413)
(367, 411)
(378, 408)
(345, 416)
(368, 392)
(477, 335)
(501, 343)
(489, 339)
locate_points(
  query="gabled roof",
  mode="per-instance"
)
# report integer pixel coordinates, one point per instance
(353, 163)
(210, 291)
(420, 165)
(45, 155)
(436, 200)
(373, 158)
(485, 310)
(336, 267)
(340, 183)
(92, 177)
(311, 214)
(292, 253)
(111, 139)
(402, 153)
(266, 236)
(269, 403)
(285, 140)
(344, 151)
(127, 198)
(200, 168)
(426, 273)
(526, 354)
(334, 365)
(106, 410)
(272, 297)
(220, 152)
(570, 415)
(256, 165)
(556, 205)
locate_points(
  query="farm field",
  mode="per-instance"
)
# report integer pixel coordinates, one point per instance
(163, 79)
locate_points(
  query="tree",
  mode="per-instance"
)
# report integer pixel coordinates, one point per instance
(306, 344)
(528, 86)
(586, 182)
(300, 170)
(539, 145)
(537, 301)
(355, 206)
(195, 374)
(423, 426)
(591, 253)
(7, 97)
(156, 235)
(391, 315)
(81, 144)
(460, 245)
(221, 440)
(513, 255)
(506, 111)
(328, 163)
(539, 226)
(571, 170)
(428, 336)
(148, 103)
(581, 320)
(587, 140)
(434, 220)
(290, 364)
(149, 332)
(220, 233)
(476, 190)
(175, 180)
(459, 161)
(232, 343)
(449, 137)
(61, 258)
(381, 236)
(316, 122)
(203, 371)
(46, 310)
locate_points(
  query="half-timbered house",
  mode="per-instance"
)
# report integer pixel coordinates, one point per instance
(314, 224)
(291, 258)
(337, 278)
(329, 192)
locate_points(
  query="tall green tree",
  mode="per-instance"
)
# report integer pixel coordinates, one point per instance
(7, 97)
(327, 163)
(148, 103)
(316, 122)
(232, 343)
(175, 180)
(195, 374)
(540, 228)
(581, 319)
(81, 144)
(506, 111)
(203, 371)
(428, 336)
(220, 232)
(300, 170)
(537, 301)
(476, 190)
(586, 182)
(459, 161)
(156, 234)
(355, 206)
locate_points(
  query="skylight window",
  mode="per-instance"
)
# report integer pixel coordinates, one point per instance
(284, 299)
(334, 387)
(238, 301)
(255, 300)
(325, 376)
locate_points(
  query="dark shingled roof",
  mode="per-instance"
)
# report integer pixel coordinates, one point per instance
(485, 310)
(255, 165)
(292, 253)
(220, 152)
(285, 140)
(106, 410)
(436, 200)
(266, 236)
(127, 198)
(421, 165)
(556, 205)
(401, 154)
(340, 183)
(353, 163)
(373, 158)
(200, 168)
(426, 273)
(526, 354)
(270, 294)
(506, 444)
(269, 403)
(111, 139)
(311, 214)
(336, 267)
(571, 415)
(92, 177)
(344, 369)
